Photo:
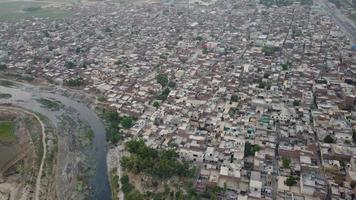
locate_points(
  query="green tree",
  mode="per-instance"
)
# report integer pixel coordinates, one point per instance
(172, 84)
(134, 195)
(112, 116)
(291, 180)
(200, 38)
(125, 184)
(162, 79)
(3, 66)
(328, 139)
(268, 51)
(127, 122)
(354, 136)
(296, 103)
(113, 134)
(286, 162)
(118, 62)
(160, 164)
(234, 98)
(69, 64)
(74, 82)
(285, 66)
(163, 96)
(156, 104)
(251, 149)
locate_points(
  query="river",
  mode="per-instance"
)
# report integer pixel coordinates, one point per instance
(26, 95)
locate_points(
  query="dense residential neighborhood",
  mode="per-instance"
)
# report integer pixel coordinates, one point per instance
(258, 96)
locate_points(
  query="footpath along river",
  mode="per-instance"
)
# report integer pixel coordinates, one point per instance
(26, 96)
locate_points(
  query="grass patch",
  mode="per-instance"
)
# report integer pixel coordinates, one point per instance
(35, 132)
(5, 96)
(22, 9)
(90, 135)
(6, 131)
(114, 183)
(51, 104)
(7, 83)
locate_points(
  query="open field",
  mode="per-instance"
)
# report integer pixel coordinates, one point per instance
(6, 131)
(14, 10)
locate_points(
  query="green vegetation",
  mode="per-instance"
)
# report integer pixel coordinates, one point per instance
(291, 180)
(166, 84)
(127, 122)
(101, 98)
(328, 139)
(156, 104)
(107, 30)
(134, 195)
(90, 134)
(5, 96)
(74, 82)
(286, 162)
(80, 186)
(114, 183)
(163, 96)
(118, 62)
(296, 34)
(234, 98)
(16, 10)
(354, 136)
(6, 131)
(172, 84)
(129, 190)
(7, 83)
(3, 66)
(264, 84)
(69, 64)
(337, 3)
(126, 187)
(113, 133)
(32, 8)
(199, 38)
(296, 103)
(233, 111)
(212, 193)
(251, 149)
(114, 122)
(286, 66)
(285, 2)
(162, 79)
(50, 104)
(161, 164)
(269, 51)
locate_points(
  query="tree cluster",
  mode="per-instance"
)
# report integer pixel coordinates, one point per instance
(115, 122)
(129, 190)
(286, 162)
(286, 66)
(251, 149)
(328, 139)
(3, 66)
(291, 180)
(162, 79)
(74, 82)
(269, 51)
(69, 64)
(281, 3)
(162, 164)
